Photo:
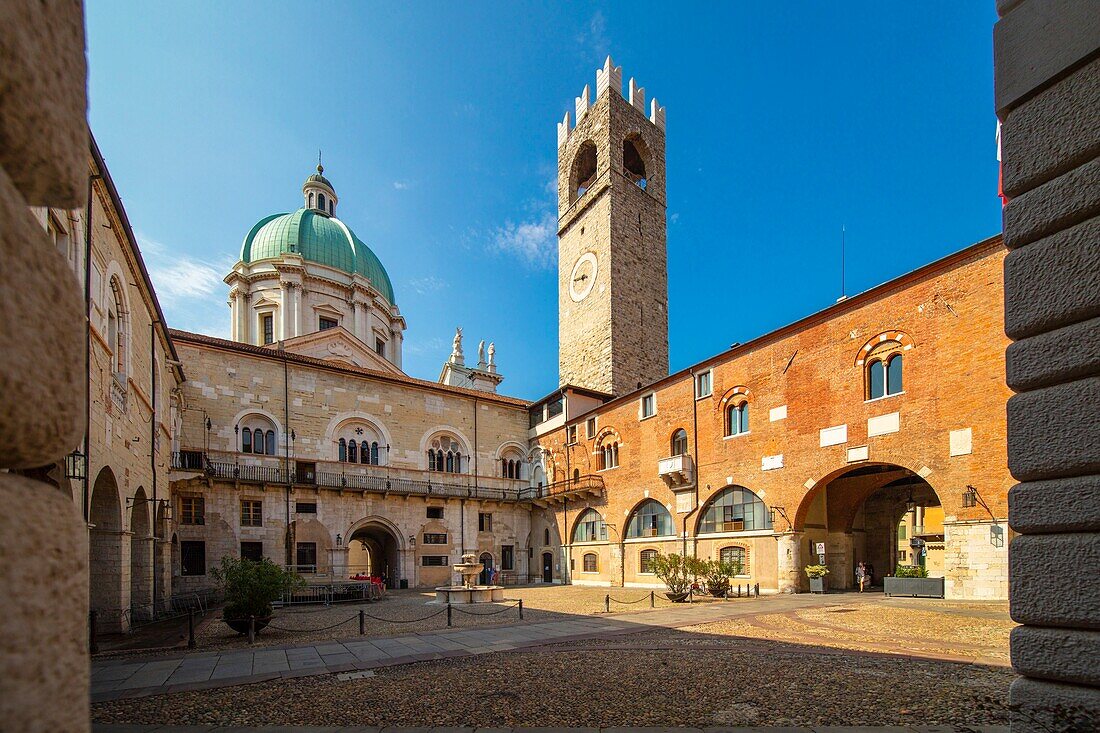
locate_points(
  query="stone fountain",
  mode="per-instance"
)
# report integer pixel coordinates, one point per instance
(469, 591)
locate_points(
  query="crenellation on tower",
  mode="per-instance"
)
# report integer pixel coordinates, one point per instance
(612, 274)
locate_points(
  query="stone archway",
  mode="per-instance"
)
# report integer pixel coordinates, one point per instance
(861, 513)
(141, 558)
(108, 556)
(375, 547)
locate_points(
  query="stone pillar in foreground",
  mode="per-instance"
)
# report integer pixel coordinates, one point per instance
(789, 562)
(1047, 55)
(44, 671)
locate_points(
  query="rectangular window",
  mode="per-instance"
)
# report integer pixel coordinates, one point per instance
(306, 557)
(484, 522)
(252, 551)
(571, 435)
(327, 323)
(553, 409)
(590, 563)
(380, 347)
(590, 428)
(435, 538)
(901, 531)
(433, 561)
(702, 384)
(305, 507)
(507, 557)
(645, 564)
(649, 405)
(435, 512)
(192, 558)
(251, 513)
(268, 323)
(192, 510)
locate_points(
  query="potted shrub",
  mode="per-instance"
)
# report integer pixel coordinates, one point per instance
(717, 575)
(816, 574)
(913, 580)
(250, 587)
(675, 571)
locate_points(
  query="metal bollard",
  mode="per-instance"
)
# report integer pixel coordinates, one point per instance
(448, 615)
(251, 629)
(362, 622)
(652, 599)
(521, 609)
(757, 590)
(93, 646)
(191, 629)
(691, 597)
(607, 603)
(738, 590)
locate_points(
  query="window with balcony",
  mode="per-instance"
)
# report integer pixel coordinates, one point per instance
(679, 443)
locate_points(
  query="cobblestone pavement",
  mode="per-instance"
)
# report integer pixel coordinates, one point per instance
(686, 666)
(106, 728)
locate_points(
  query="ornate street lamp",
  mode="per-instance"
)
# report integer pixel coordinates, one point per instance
(76, 465)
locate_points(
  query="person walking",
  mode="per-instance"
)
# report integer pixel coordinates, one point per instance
(861, 575)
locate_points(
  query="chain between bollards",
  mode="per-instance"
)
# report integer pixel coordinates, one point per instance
(191, 628)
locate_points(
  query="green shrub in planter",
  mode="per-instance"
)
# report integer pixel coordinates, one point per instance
(910, 571)
(675, 571)
(250, 587)
(717, 575)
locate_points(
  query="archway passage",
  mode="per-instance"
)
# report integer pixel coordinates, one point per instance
(141, 559)
(373, 549)
(882, 515)
(486, 576)
(105, 555)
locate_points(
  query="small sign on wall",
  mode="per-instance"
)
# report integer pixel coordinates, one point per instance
(819, 548)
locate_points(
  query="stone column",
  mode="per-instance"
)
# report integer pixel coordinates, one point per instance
(789, 562)
(244, 321)
(1047, 91)
(44, 666)
(356, 314)
(338, 562)
(284, 311)
(839, 558)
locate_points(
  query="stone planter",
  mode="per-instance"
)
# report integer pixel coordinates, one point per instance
(914, 587)
(676, 597)
(817, 585)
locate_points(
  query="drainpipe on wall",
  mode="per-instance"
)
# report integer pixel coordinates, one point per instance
(286, 450)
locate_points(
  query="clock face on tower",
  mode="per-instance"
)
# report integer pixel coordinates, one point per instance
(583, 277)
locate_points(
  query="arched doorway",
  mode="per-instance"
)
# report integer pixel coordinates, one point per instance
(547, 567)
(141, 559)
(881, 514)
(105, 555)
(486, 561)
(374, 548)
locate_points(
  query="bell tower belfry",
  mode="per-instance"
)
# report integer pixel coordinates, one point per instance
(612, 259)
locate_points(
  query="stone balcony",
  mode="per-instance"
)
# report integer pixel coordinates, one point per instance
(677, 471)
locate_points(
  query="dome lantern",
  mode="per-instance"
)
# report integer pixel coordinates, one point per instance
(318, 193)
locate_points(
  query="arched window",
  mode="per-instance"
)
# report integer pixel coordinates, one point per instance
(883, 370)
(736, 555)
(445, 454)
(650, 520)
(645, 561)
(679, 443)
(321, 201)
(583, 174)
(591, 562)
(330, 206)
(737, 418)
(343, 449)
(590, 527)
(608, 455)
(116, 329)
(374, 453)
(546, 536)
(353, 452)
(257, 435)
(358, 442)
(311, 199)
(576, 475)
(734, 509)
(633, 164)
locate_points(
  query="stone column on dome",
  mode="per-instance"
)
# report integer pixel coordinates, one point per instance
(789, 562)
(365, 323)
(356, 312)
(284, 324)
(395, 350)
(244, 317)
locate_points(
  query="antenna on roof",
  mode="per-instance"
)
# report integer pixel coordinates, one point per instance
(843, 295)
(320, 168)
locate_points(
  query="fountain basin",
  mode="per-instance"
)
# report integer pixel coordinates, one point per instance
(473, 594)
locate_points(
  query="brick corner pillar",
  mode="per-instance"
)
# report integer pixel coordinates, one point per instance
(1047, 72)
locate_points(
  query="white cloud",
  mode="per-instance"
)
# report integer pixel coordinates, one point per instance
(401, 185)
(594, 37)
(534, 241)
(190, 289)
(436, 345)
(429, 284)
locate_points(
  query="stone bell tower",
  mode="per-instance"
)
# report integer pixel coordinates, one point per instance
(612, 260)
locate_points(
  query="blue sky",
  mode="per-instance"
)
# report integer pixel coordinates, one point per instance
(437, 122)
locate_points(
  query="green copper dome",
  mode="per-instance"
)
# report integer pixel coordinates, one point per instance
(317, 238)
